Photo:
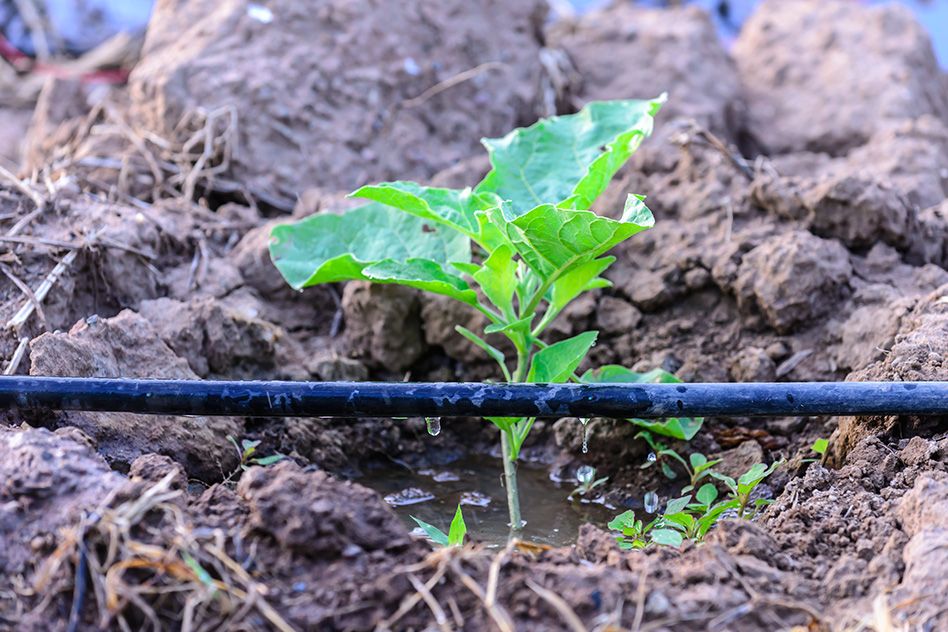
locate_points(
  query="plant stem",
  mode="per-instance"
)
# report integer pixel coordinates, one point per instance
(510, 481)
(507, 443)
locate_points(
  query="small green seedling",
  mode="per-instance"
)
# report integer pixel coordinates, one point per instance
(455, 534)
(690, 518)
(696, 467)
(743, 487)
(247, 450)
(820, 446)
(586, 481)
(518, 247)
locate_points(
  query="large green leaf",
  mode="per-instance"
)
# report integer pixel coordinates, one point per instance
(556, 363)
(567, 160)
(553, 240)
(452, 207)
(375, 243)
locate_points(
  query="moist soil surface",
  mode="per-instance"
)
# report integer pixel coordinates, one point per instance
(798, 181)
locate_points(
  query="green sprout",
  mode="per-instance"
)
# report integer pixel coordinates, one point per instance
(247, 450)
(690, 518)
(518, 247)
(743, 487)
(586, 481)
(696, 467)
(455, 534)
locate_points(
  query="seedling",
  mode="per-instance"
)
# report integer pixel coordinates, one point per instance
(247, 450)
(586, 481)
(455, 534)
(696, 467)
(518, 247)
(743, 487)
(687, 518)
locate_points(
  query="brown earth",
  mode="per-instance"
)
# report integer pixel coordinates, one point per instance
(810, 243)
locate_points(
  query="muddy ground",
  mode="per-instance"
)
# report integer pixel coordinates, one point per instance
(810, 243)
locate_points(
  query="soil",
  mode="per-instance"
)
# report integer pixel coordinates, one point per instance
(799, 185)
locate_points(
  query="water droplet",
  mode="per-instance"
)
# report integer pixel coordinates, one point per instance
(651, 458)
(585, 474)
(434, 425)
(585, 422)
(651, 502)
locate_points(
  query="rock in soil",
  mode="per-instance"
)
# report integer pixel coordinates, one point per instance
(798, 61)
(128, 346)
(343, 93)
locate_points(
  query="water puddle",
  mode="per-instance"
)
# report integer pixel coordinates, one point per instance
(475, 481)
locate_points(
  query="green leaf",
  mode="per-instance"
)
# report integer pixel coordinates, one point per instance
(680, 520)
(457, 530)
(677, 505)
(669, 473)
(697, 460)
(450, 207)
(755, 473)
(666, 537)
(568, 159)
(435, 534)
(624, 520)
(498, 328)
(374, 243)
(268, 460)
(580, 279)
(707, 494)
(422, 274)
(553, 240)
(729, 482)
(684, 428)
(498, 278)
(819, 446)
(618, 374)
(556, 363)
(496, 354)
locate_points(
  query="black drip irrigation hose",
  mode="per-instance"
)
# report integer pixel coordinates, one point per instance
(404, 399)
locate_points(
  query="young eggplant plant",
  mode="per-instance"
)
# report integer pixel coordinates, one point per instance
(518, 247)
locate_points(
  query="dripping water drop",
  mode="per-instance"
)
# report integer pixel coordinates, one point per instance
(434, 425)
(651, 458)
(585, 422)
(651, 502)
(585, 474)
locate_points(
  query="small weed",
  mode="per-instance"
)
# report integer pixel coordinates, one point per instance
(455, 534)
(587, 481)
(691, 517)
(697, 466)
(247, 454)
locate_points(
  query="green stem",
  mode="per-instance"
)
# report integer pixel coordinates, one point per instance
(510, 481)
(507, 442)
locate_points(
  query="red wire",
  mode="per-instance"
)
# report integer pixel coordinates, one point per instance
(24, 63)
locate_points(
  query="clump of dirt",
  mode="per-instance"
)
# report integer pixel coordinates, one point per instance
(127, 346)
(344, 93)
(797, 61)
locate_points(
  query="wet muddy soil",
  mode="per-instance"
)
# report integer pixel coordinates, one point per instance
(799, 185)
